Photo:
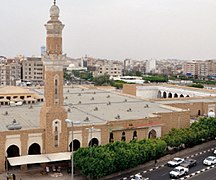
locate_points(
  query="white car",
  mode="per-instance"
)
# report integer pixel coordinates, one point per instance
(214, 151)
(139, 177)
(178, 172)
(210, 160)
(175, 162)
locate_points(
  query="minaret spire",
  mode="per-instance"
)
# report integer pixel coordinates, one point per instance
(54, 2)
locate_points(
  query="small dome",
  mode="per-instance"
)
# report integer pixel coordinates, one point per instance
(54, 11)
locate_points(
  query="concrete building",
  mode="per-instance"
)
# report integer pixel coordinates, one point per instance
(32, 69)
(150, 66)
(191, 68)
(114, 70)
(10, 73)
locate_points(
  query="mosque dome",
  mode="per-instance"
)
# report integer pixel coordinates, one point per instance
(54, 11)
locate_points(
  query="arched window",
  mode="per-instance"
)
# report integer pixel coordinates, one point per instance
(175, 95)
(56, 88)
(56, 132)
(94, 142)
(152, 134)
(134, 135)
(199, 112)
(164, 95)
(76, 145)
(170, 95)
(123, 138)
(111, 139)
(181, 95)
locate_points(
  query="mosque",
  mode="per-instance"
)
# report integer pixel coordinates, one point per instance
(35, 132)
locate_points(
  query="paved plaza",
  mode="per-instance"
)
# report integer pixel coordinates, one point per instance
(37, 174)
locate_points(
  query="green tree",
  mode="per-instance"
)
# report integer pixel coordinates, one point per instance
(102, 80)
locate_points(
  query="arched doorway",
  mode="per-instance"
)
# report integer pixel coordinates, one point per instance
(175, 95)
(187, 96)
(123, 138)
(34, 149)
(181, 95)
(134, 135)
(152, 134)
(76, 145)
(164, 94)
(12, 151)
(94, 142)
(111, 139)
(199, 112)
(170, 95)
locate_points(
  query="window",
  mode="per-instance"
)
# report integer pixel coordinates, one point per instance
(56, 135)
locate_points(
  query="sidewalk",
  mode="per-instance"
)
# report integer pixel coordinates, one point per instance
(36, 175)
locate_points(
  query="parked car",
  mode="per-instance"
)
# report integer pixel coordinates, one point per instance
(178, 172)
(210, 160)
(188, 163)
(175, 162)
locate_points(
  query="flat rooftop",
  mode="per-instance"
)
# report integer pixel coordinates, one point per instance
(90, 106)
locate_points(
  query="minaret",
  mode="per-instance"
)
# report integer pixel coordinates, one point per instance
(53, 114)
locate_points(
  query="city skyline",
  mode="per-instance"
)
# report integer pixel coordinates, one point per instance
(138, 29)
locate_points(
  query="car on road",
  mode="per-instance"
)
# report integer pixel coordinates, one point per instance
(188, 163)
(139, 177)
(210, 160)
(178, 172)
(175, 162)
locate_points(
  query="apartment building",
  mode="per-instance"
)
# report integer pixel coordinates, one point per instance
(32, 69)
(113, 70)
(200, 68)
(10, 73)
(191, 68)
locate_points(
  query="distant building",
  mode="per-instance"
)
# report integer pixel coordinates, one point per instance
(191, 68)
(32, 69)
(10, 73)
(200, 68)
(150, 66)
(130, 79)
(113, 70)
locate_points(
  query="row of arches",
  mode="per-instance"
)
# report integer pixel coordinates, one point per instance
(14, 150)
(170, 95)
(151, 134)
(35, 148)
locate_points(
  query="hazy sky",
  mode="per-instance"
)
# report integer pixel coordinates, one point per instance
(114, 29)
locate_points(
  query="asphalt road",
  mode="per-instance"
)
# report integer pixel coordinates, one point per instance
(207, 175)
(163, 173)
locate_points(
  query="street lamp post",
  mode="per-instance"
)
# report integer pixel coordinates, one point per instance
(72, 163)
